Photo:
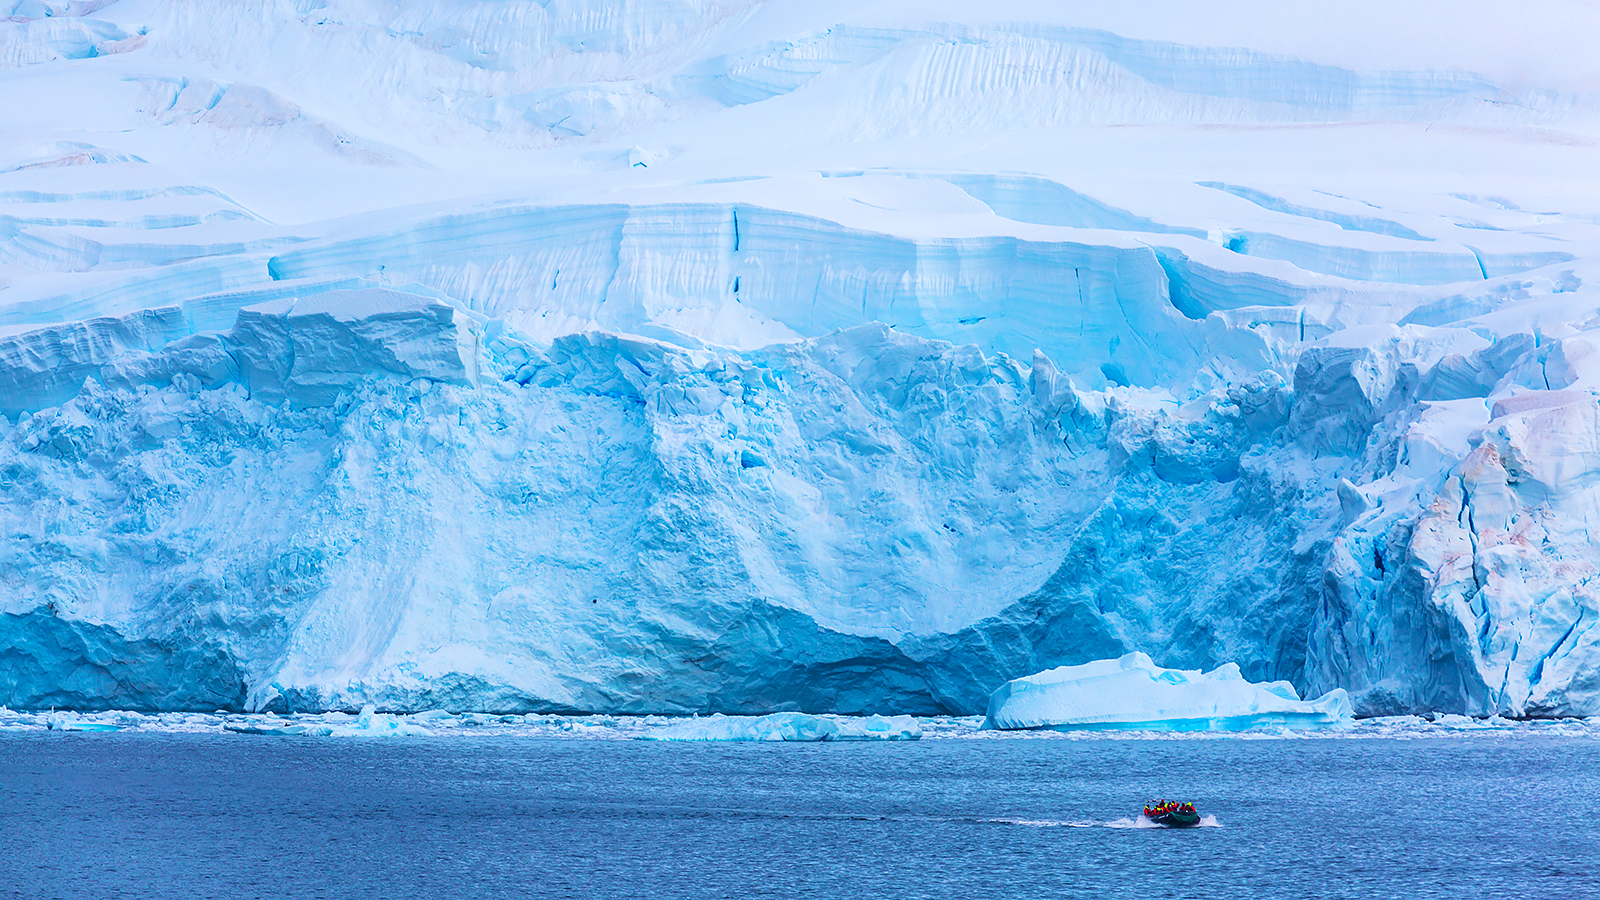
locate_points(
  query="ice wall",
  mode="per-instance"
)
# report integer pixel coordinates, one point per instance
(548, 271)
(865, 522)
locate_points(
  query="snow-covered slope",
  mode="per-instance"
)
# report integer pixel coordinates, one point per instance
(681, 355)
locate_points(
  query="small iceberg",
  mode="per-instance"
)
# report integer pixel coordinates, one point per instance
(1136, 694)
(62, 723)
(790, 726)
(252, 728)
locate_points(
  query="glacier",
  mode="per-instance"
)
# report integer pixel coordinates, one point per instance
(1134, 693)
(713, 356)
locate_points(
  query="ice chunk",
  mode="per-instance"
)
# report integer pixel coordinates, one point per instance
(65, 723)
(1134, 693)
(312, 348)
(791, 726)
(45, 367)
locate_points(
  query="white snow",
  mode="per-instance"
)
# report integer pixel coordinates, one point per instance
(708, 355)
(1134, 693)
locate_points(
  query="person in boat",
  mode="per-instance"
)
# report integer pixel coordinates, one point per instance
(1160, 810)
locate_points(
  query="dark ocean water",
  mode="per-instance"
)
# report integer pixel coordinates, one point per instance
(230, 816)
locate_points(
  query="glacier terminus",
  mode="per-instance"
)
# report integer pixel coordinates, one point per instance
(754, 358)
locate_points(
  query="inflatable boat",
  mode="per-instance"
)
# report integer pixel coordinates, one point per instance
(1171, 814)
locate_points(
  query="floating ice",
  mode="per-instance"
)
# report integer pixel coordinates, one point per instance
(446, 725)
(1134, 693)
(790, 726)
(370, 723)
(72, 723)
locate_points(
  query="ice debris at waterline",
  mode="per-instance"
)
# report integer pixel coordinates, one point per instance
(1134, 693)
(790, 726)
(370, 723)
(439, 724)
(63, 723)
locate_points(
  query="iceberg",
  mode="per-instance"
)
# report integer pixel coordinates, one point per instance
(1134, 693)
(790, 726)
(67, 723)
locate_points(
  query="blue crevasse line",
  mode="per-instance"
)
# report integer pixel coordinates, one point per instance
(1369, 224)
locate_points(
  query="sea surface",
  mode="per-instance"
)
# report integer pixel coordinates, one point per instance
(151, 814)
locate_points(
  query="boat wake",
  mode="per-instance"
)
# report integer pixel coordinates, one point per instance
(1125, 822)
(1047, 823)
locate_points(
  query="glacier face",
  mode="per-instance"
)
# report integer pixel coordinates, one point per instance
(736, 357)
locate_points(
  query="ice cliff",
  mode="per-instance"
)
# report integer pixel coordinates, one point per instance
(746, 357)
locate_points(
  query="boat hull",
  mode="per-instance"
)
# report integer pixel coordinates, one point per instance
(1177, 820)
